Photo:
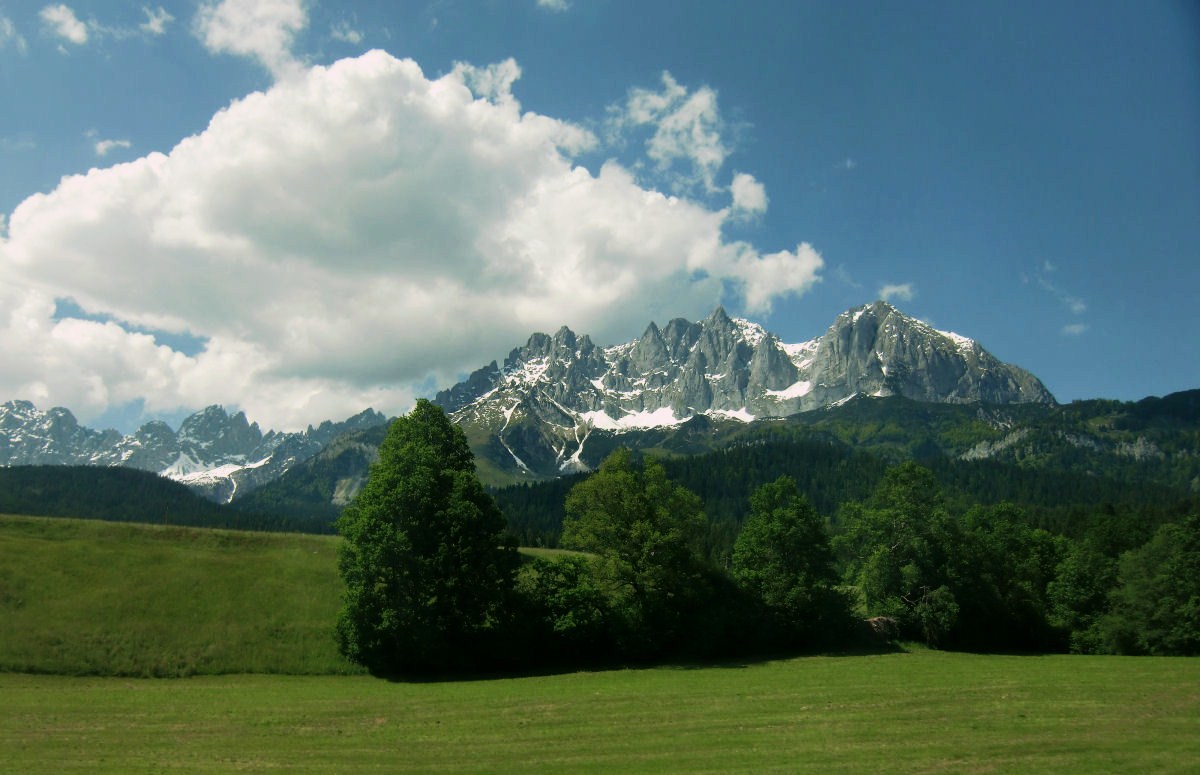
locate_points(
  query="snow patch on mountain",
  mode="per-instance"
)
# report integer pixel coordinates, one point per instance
(798, 389)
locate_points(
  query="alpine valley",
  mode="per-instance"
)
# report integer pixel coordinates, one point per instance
(876, 382)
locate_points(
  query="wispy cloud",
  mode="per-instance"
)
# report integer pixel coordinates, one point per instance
(1076, 306)
(554, 5)
(62, 22)
(102, 147)
(346, 33)
(843, 276)
(156, 21)
(686, 131)
(13, 144)
(10, 37)
(897, 291)
(1072, 303)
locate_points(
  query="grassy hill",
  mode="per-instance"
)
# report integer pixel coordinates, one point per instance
(101, 598)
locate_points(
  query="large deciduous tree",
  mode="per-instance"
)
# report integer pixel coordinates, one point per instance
(783, 559)
(426, 564)
(646, 534)
(897, 549)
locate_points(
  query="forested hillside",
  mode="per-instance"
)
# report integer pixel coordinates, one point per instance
(831, 473)
(122, 495)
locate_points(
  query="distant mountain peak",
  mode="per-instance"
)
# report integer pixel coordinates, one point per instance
(213, 452)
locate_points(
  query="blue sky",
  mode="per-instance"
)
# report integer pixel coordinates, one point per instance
(301, 209)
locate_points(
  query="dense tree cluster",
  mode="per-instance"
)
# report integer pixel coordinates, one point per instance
(433, 583)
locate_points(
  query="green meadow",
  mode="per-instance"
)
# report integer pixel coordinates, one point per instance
(87, 609)
(916, 712)
(83, 597)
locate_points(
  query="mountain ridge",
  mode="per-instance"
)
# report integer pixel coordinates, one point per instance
(541, 407)
(214, 453)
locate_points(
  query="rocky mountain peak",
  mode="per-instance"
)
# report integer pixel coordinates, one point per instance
(564, 339)
(542, 406)
(718, 318)
(212, 433)
(680, 336)
(883, 352)
(54, 437)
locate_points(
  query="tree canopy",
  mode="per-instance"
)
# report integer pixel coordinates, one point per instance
(895, 551)
(1156, 605)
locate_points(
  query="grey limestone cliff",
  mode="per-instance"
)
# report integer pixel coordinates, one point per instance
(547, 398)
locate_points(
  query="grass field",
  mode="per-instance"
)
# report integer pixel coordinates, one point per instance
(917, 712)
(90, 606)
(104, 598)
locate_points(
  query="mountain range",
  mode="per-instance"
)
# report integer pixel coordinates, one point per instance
(213, 452)
(559, 404)
(533, 417)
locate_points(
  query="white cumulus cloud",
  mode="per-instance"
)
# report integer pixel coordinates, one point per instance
(259, 29)
(344, 238)
(62, 21)
(686, 128)
(749, 196)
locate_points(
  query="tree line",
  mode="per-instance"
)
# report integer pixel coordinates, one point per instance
(831, 473)
(434, 582)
